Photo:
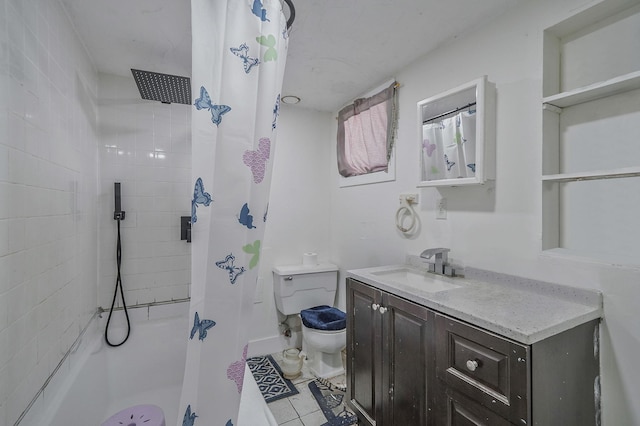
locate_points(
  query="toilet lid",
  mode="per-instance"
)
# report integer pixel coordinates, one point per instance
(324, 318)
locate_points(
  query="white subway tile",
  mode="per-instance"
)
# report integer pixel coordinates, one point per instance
(4, 389)
(15, 25)
(4, 237)
(16, 235)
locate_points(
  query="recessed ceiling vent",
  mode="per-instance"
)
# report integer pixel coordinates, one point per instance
(165, 88)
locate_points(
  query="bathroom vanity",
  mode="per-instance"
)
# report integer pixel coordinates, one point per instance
(487, 349)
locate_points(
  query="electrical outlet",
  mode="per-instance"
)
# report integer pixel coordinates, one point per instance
(441, 208)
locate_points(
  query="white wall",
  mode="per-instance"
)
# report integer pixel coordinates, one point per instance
(48, 232)
(299, 212)
(146, 146)
(495, 226)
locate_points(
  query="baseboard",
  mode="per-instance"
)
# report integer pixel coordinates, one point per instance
(274, 344)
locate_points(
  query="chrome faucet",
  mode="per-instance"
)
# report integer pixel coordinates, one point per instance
(440, 265)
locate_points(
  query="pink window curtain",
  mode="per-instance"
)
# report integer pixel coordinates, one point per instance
(366, 132)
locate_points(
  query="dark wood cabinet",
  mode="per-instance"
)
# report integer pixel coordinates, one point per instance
(409, 365)
(390, 357)
(364, 352)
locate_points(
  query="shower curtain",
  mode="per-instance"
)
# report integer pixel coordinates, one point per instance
(449, 147)
(239, 52)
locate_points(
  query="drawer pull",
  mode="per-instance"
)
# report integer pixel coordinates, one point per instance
(375, 306)
(472, 364)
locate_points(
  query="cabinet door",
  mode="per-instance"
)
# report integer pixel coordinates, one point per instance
(408, 361)
(364, 352)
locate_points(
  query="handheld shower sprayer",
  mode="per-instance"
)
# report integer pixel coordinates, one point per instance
(118, 215)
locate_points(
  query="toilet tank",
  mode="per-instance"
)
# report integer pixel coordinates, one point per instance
(301, 287)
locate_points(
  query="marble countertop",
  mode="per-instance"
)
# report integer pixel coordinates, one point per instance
(520, 309)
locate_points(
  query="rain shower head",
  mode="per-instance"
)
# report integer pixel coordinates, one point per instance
(165, 88)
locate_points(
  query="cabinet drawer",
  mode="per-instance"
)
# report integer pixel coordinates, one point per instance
(458, 410)
(485, 367)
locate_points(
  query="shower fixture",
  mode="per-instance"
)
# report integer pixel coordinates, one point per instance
(118, 215)
(165, 88)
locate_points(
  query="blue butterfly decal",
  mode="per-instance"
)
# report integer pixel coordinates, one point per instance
(259, 11)
(227, 264)
(276, 112)
(189, 417)
(450, 164)
(264, 216)
(243, 53)
(229, 423)
(204, 102)
(472, 166)
(199, 197)
(201, 327)
(245, 218)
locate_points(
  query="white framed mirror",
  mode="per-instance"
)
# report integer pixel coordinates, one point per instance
(456, 134)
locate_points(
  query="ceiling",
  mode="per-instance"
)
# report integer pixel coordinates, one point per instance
(338, 49)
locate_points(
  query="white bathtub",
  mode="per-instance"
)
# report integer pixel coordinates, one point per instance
(97, 381)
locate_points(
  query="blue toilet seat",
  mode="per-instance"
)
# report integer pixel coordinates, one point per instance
(324, 318)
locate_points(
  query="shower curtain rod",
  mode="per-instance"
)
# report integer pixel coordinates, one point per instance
(292, 13)
(444, 114)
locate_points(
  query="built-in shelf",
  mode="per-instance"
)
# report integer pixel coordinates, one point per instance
(595, 91)
(593, 175)
(590, 123)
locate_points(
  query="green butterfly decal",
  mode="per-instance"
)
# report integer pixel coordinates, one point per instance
(253, 249)
(270, 42)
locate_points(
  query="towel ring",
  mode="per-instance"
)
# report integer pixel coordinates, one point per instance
(405, 209)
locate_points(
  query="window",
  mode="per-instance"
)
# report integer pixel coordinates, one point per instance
(366, 135)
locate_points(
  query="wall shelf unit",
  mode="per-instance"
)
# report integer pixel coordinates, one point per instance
(591, 121)
(598, 174)
(595, 91)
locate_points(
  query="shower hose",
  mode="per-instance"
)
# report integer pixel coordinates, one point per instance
(115, 295)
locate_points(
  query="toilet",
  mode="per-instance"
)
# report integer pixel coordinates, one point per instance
(309, 291)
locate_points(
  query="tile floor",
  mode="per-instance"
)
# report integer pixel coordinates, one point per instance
(301, 409)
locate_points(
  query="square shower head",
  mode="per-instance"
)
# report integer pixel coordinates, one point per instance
(165, 88)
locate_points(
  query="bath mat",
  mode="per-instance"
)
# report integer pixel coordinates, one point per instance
(269, 378)
(332, 402)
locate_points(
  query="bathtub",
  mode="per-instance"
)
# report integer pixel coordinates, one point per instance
(96, 381)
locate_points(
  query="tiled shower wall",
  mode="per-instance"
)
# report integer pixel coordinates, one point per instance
(146, 146)
(48, 180)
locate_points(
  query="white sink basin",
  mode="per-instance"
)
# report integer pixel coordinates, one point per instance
(419, 280)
